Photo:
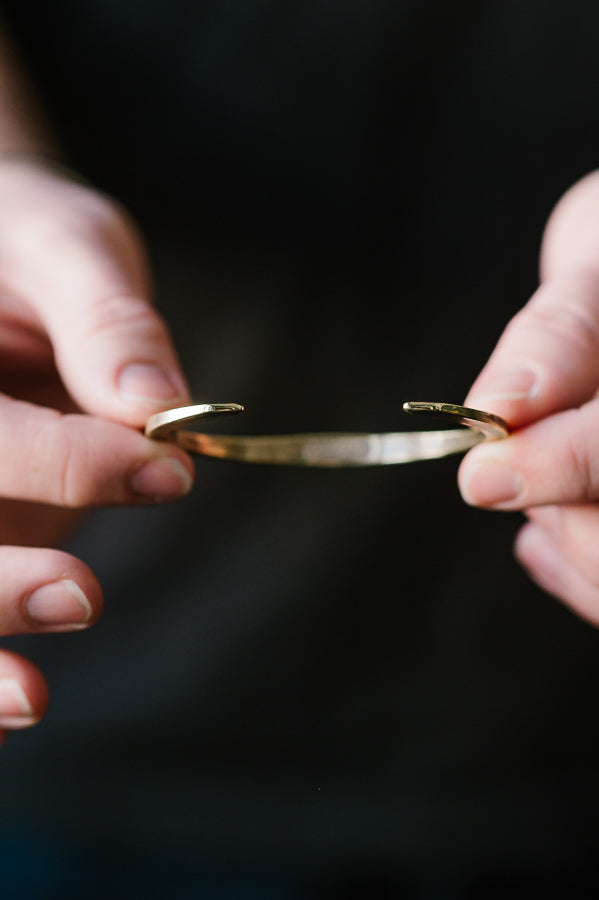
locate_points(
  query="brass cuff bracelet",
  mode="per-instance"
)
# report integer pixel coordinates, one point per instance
(328, 449)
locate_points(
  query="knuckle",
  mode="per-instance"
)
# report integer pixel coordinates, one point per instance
(569, 321)
(71, 452)
(58, 460)
(120, 309)
(89, 467)
(117, 311)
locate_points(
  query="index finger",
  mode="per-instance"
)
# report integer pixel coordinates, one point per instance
(547, 359)
(77, 259)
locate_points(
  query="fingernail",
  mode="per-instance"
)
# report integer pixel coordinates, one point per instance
(59, 604)
(15, 708)
(511, 384)
(492, 484)
(147, 383)
(161, 479)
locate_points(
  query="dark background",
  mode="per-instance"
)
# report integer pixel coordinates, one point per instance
(308, 681)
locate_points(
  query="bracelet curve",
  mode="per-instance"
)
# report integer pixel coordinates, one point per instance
(328, 449)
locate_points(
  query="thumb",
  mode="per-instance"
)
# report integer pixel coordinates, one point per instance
(541, 378)
(75, 257)
(546, 367)
(547, 359)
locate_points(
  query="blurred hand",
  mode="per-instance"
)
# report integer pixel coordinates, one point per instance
(543, 378)
(84, 360)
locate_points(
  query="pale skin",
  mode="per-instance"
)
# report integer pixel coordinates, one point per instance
(543, 378)
(85, 359)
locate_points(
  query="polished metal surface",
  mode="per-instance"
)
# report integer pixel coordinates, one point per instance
(324, 449)
(167, 425)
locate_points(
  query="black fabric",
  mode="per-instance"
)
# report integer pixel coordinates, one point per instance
(344, 203)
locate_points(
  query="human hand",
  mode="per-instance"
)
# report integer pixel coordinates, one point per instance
(543, 379)
(84, 360)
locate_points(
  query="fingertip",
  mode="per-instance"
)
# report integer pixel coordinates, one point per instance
(487, 480)
(79, 580)
(510, 393)
(23, 693)
(143, 388)
(64, 576)
(46, 590)
(59, 606)
(16, 709)
(163, 478)
(118, 361)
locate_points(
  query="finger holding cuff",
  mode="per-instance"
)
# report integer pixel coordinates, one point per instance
(77, 460)
(553, 461)
(76, 258)
(547, 359)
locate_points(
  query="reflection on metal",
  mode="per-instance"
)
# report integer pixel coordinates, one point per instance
(324, 449)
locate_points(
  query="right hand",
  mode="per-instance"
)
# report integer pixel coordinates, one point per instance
(543, 378)
(84, 360)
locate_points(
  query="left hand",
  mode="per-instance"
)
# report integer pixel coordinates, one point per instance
(84, 360)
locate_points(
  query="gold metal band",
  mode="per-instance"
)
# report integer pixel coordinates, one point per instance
(328, 450)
